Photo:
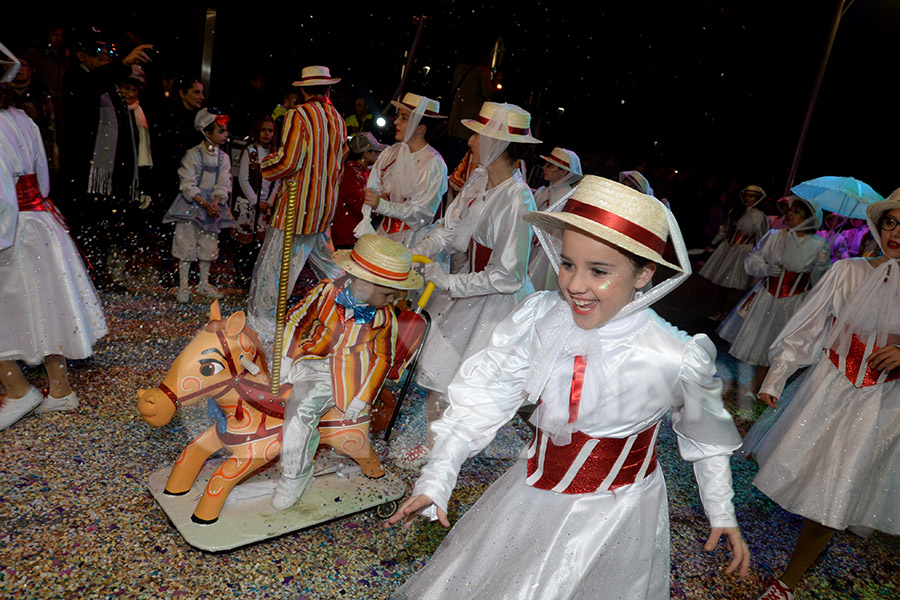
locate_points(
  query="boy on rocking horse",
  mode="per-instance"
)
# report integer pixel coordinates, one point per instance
(339, 349)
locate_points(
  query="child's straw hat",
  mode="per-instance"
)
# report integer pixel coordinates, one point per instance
(412, 101)
(517, 127)
(615, 213)
(379, 260)
(564, 159)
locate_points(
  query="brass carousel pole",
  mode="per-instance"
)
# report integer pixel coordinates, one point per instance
(283, 291)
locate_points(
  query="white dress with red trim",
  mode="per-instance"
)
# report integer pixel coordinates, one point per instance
(491, 229)
(761, 315)
(725, 266)
(48, 304)
(584, 517)
(833, 455)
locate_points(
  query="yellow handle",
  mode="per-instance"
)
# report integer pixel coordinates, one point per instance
(429, 287)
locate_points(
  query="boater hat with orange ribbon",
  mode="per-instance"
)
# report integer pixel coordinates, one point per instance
(379, 260)
(616, 214)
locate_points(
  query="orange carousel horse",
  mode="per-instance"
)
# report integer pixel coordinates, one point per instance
(225, 364)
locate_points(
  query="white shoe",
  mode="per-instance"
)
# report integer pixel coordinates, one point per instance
(14, 409)
(288, 490)
(746, 405)
(50, 403)
(205, 289)
(414, 458)
(183, 295)
(777, 591)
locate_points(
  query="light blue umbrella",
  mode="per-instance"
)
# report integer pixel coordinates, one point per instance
(845, 196)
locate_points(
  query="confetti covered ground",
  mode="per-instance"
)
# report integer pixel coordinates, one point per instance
(77, 520)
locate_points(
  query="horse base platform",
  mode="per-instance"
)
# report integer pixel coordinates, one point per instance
(339, 488)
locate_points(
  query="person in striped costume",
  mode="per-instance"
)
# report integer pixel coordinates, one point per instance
(583, 512)
(312, 153)
(340, 348)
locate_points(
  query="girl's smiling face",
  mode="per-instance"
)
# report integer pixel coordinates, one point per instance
(596, 279)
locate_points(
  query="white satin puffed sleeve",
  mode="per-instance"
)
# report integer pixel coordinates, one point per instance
(417, 210)
(502, 228)
(706, 433)
(757, 262)
(800, 342)
(485, 393)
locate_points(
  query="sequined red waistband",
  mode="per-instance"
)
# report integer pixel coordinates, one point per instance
(28, 193)
(589, 464)
(392, 225)
(854, 365)
(787, 284)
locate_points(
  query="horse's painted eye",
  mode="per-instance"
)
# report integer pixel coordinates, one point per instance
(210, 367)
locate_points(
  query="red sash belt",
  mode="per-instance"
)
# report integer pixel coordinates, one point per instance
(392, 225)
(479, 256)
(739, 238)
(787, 284)
(852, 364)
(589, 464)
(31, 200)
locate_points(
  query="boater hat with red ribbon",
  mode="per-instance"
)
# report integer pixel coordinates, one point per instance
(615, 213)
(316, 75)
(516, 129)
(411, 102)
(379, 260)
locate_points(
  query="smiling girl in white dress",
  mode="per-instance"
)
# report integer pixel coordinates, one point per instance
(584, 508)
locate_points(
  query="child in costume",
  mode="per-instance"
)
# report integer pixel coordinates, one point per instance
(788, 262)
(364, 151)
(49, 310)
(833, 454)
(485, 221)
(584, 509)
(562, 170)
(744, 227)
(200, 211)
(339, 347)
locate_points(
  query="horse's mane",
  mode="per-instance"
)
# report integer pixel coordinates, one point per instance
(260, 359)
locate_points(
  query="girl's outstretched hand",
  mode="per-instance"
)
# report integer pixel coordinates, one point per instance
(409, 510)
(735, 542)
(768, 399)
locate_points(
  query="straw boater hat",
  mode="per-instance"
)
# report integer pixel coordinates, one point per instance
(876, 210)
(518, 123)
(564, 159)
(614, 213)
(316, 75)
(377, 259)
(412, 101)
(754, 188)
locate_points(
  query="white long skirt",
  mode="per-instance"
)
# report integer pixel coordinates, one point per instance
(726, 266)
(519, 542)
(460, 328)
(48, 304)
(751, 335)
(833, 455)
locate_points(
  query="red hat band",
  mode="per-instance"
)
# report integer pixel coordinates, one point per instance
(616, 223)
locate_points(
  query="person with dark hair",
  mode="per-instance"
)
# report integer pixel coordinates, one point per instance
(485, 220)
(361, 119)
(744, 226)
(174, 131)
(409, 179)
(832, 455)
(254, 204)
(48, 307)
(312, 151)
(788, 263)
(99, 155)
(364, 151)
(200, 211)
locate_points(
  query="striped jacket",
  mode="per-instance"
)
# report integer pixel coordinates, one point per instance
(312, 153)
(361, 355)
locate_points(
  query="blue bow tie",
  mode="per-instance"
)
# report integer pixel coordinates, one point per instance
(361, 312)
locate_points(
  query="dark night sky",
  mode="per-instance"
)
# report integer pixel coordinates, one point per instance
(720, 87)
